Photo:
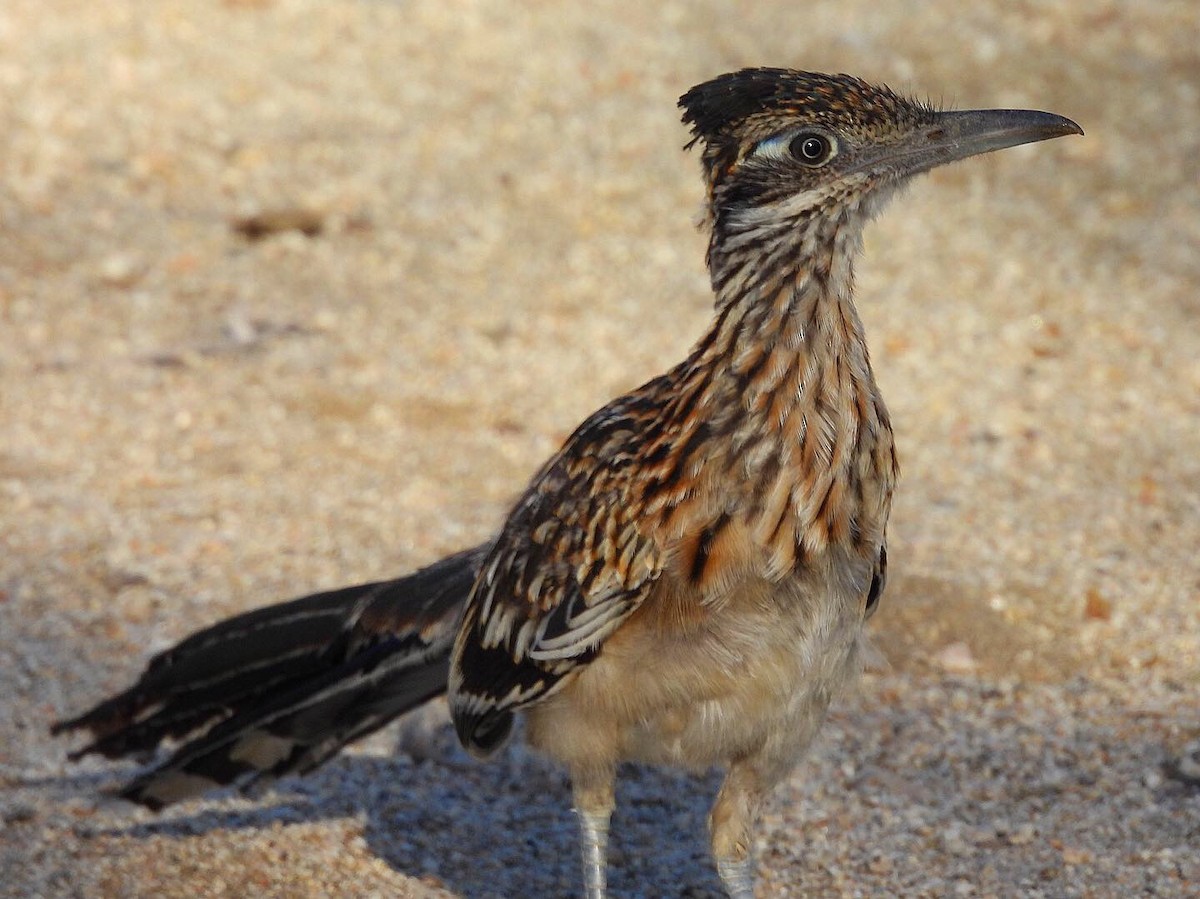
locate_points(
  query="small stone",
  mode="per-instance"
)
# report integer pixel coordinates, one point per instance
(19, 814)
(1023, 835)
(118, 270)
(1185, 767)
(953, 842)
(956, 658)
(1096, 607)
(1074, 856)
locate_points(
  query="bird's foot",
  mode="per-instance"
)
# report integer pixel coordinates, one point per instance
(737, 876)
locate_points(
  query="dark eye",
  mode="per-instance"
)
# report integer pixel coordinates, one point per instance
(811, 149)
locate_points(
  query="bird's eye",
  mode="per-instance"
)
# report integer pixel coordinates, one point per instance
(811, 149)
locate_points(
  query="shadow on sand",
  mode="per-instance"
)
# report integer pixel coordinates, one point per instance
(501, 829)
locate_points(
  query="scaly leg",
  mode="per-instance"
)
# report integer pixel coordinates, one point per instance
(731, 824)
(737, 876)
(594, 801)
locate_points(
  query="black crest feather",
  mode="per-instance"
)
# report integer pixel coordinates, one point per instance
(714, 109)
(710, 108)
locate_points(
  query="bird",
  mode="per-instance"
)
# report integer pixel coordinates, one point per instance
(686, 581)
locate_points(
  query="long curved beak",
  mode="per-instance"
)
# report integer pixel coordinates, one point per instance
(958, 134)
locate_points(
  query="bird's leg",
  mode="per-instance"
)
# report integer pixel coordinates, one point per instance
(731, 824)
(594, 801)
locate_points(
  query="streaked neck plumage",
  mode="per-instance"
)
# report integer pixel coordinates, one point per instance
(785, 373)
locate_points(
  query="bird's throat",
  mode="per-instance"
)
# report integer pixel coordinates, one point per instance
(785, 378)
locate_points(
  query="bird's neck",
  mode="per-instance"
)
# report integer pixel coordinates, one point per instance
(784, 376)
(784, 293)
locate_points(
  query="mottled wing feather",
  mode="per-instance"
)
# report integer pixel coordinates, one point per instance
(574, 560)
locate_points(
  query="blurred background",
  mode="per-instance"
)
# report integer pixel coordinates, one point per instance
(298, 293)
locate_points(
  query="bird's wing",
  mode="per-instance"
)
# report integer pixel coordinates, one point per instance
(575, 559)
(878, 581)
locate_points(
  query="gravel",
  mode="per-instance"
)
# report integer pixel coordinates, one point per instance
(297, 293)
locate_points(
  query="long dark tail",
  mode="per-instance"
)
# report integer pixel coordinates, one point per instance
(281, 689)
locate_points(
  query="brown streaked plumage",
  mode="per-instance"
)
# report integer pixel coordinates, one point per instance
(686, 581)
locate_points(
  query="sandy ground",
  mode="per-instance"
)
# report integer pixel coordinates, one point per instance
(195, 422)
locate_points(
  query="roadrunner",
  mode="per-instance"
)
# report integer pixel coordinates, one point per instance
(686, 581)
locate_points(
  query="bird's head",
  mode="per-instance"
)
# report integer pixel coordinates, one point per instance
(782, 146)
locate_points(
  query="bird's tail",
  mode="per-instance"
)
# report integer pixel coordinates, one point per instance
(281, 689)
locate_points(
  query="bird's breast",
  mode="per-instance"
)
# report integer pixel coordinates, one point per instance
(695, 686)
